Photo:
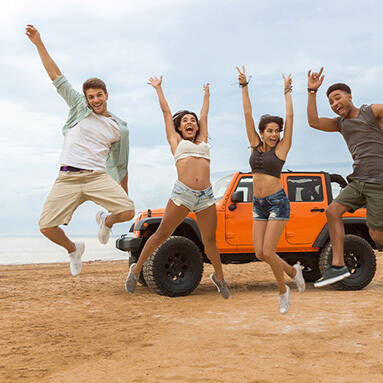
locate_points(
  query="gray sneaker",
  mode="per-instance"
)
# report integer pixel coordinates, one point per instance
(75, 258)
(332, 275)
(221, 286)
(131, 281)
(284, 301)
(104, 232)
(298, 279)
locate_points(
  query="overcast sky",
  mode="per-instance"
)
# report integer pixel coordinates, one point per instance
(189, 43)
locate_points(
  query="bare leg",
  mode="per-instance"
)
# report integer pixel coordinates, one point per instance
(259, 230)
(334, 214)
(57, 235)
(207, 223)
(173, 216)
(273, 233)
(117, 218)
(376, 235)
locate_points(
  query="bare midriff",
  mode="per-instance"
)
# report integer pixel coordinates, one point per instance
(194, 172)
(265, 185)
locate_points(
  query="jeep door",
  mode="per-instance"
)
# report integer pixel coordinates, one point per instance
(239, 216)
(308, 201)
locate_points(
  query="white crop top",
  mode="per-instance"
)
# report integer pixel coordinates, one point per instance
(188, 148)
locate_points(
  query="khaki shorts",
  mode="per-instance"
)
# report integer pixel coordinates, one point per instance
(71, 189)
(358, 194)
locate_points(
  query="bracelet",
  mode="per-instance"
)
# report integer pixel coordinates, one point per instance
(290, 89)
(312, 90)
(244, 84)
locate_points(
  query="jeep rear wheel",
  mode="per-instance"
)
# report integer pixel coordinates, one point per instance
(360, 259)
(175, 268)
(133, 259)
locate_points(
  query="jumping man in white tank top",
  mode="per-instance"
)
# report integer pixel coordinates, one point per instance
(93, 161)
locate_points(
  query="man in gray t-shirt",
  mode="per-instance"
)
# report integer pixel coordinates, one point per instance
(362, 129)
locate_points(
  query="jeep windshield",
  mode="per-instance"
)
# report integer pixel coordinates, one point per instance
(221, 185)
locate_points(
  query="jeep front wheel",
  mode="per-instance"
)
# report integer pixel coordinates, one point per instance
(175, 268)
(360, 259)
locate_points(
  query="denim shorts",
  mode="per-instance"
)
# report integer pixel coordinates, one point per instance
(194, 200)
(275, 207)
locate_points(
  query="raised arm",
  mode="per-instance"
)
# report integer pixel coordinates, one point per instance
(171, 135)
(203, 133)
(49, 65)
(252, 135)
(285, 143)
(321, 123)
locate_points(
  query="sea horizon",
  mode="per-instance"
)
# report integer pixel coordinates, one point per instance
(34, 249)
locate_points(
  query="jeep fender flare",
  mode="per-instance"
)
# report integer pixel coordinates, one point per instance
(324, 235)
(155, 221)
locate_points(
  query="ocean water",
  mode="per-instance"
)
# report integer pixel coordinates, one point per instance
(27, 250)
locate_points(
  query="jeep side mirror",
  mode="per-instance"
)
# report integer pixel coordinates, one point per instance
(237, 196)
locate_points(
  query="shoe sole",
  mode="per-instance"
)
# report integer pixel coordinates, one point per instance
(99, 221)
(219, 290)
(126, 282)
(301, 275)
(330, 281)
(82, 250)
(288, 307)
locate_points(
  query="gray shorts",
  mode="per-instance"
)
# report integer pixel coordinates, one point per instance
(194, 200)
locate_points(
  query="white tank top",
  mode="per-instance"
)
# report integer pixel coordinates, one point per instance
(188, 148)
(87, 144)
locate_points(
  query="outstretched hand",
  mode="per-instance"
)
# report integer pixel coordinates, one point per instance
(315, 79)
(206, 88)
(33, 34)
(288, 82)
(155, 82)
(242, 76)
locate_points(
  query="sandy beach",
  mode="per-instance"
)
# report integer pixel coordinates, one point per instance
(59, 328)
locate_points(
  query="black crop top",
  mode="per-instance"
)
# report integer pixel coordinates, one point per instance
(266, 162)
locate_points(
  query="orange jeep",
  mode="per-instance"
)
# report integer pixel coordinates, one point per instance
(176, 267)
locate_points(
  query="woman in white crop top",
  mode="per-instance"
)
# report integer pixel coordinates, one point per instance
(192, 192)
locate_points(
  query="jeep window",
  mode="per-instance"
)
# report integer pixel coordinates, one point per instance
(304, 189)
(245, 184)
(219, 188)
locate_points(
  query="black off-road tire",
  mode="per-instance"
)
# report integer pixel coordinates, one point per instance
(175, 268)
(360, 259)
(133, 259)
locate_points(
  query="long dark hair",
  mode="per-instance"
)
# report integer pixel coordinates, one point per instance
(266, 119)
(177, 117)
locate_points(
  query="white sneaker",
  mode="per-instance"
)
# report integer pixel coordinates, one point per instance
(75, 258)
(104, 232)
(298, 279)
(284, 301)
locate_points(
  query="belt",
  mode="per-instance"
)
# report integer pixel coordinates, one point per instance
(72, 169)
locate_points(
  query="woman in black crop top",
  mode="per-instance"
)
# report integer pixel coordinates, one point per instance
(271, 207)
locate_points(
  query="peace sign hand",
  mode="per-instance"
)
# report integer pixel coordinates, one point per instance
(315, 79)
(288, 83)
(242, 76)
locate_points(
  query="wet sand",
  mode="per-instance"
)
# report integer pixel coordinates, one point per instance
(59, 328)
